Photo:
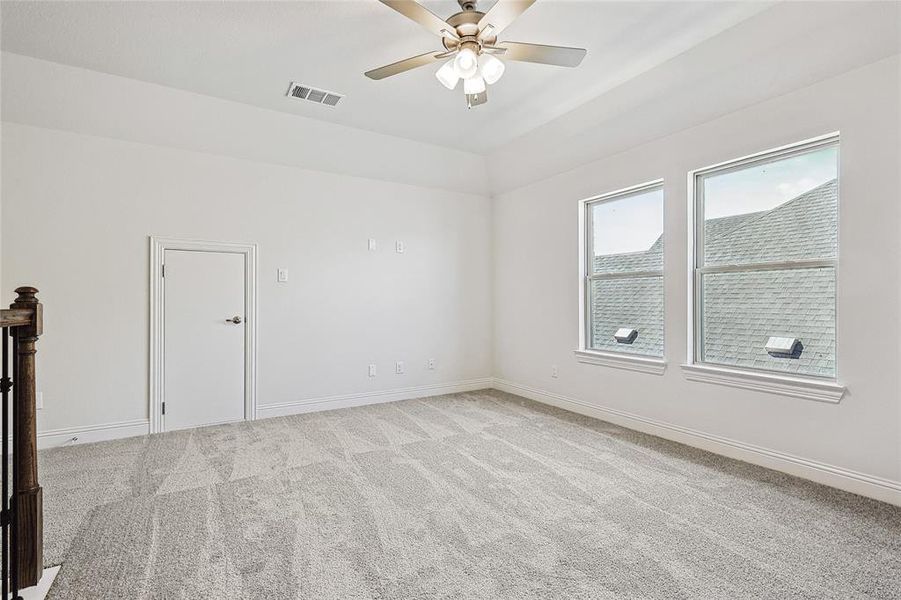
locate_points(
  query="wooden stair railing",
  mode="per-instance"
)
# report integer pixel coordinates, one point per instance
(23, 511)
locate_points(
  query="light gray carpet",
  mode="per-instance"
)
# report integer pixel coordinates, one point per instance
(479, 495)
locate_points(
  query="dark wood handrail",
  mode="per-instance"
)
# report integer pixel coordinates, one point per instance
(25, 322)
(16, 317)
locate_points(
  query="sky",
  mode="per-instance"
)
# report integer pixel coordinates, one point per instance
(767, 186)
(633, 223)
(630, 224)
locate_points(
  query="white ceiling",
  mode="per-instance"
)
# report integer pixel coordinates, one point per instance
(250, 51)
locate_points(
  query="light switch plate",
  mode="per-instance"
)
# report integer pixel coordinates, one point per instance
(399, 367)
(372, 371)
(282, 275)
(372, 244)
(400, 247)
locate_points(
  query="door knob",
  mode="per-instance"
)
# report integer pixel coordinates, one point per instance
(236, 319)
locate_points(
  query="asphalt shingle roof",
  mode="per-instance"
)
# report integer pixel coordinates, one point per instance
(632, 302)
(741, 310)
(646, 260)
(802, 228)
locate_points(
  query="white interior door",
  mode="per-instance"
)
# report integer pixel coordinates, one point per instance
(204, 347)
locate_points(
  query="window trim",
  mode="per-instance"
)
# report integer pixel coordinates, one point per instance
(807, 388)
(630, 362)
(624, 360)
(812, 387)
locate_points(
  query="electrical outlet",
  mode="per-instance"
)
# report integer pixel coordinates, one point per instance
(432, 364)
(39, 400)
(554, 371)
(372, 371)
(399, 367)
(400, 247)
(372, 244)
(282, 275)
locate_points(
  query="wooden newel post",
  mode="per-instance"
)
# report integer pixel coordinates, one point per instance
(28, 501)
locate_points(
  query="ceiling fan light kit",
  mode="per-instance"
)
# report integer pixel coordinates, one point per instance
(492, 68)
(447, 75)
(470, 42)
(466, 63)
(473, 85)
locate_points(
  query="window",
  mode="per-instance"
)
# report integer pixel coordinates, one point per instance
(765, 255)
(622, 302)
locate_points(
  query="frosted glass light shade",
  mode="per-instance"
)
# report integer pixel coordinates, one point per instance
(466, 63)
(447, 75)
(474, 85)
(492, 68)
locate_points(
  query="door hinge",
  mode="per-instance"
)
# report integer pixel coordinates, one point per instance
(164, 271)
(164, 408)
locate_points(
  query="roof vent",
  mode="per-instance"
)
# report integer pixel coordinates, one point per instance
(306, 92)
(624, 335)
(784, 347)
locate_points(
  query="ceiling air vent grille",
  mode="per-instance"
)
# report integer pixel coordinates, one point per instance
(306, 92)
(299, 91)
(331, 99)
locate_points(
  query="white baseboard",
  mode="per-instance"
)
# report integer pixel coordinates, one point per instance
(111, 431)
(362, 398)
(92, 433)
(870, 486)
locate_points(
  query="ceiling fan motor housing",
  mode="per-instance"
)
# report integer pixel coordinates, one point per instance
(466, 25)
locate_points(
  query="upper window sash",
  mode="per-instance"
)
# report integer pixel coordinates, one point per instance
(595, 269)
(770, 266)
(786, 259)
(625, 274)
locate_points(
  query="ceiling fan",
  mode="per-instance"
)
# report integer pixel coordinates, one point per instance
(471, 47)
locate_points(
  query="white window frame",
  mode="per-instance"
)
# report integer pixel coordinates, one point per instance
(826, 389)
(584, 354)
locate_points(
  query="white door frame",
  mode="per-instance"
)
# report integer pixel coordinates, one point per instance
(158, 247)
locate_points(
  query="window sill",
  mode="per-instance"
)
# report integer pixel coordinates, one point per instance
(786, 385)
(630, 362)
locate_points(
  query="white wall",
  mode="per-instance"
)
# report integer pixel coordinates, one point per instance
(536, 282)
(46, 94)
(84, 206)
(781, 49)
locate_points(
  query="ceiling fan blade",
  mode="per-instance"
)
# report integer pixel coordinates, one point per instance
(476, 99)
(403, 65)
(502, 14)
(494, 50)
(560, 56)
(417, 12)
